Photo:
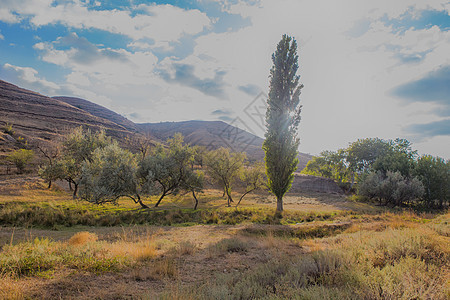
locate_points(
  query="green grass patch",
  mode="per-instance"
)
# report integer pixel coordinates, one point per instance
(57, 216)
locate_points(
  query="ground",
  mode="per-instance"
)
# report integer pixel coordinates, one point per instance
(324, 246)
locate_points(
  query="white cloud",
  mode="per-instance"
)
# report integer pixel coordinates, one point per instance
(161, 23)
(1, 36)
(26, 76)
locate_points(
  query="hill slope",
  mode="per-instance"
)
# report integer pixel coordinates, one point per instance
(36, 117)
(213, 135)
(99, 111)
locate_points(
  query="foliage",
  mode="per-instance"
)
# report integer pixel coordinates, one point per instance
(20, 158)
(52, 171)
(8, 129)
(364, 152)
(253, 178)
(282, 119)
(109, 175)
(169, 170)
(434, 172)
(330, 165)
(393, 188)
(224, 168)
(78, 147)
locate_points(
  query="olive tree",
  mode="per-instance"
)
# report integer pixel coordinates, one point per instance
(79, 147)
(224, 167)
(111, 173)
(253, 178)
(169, 168)
(392, 188)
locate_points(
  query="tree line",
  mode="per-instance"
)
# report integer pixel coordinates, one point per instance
(389, 171)
(99, 170)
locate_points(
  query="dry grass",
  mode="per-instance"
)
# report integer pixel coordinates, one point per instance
(10, 289)
(312, 252)
(82, 238)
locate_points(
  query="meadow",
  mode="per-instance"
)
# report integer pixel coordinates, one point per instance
(323, 246)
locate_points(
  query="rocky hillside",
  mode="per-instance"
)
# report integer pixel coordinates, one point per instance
(37, 118)
(213, 135)
(99, 111)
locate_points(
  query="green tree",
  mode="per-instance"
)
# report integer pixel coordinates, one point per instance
(168, 169)
(79, 147)
(194, 183)
(20, 158)
(331, 165)
(398, 157)
(52, 171)
(282, 119)
(253, 178)
(434, 173)
(110, 174)
(224, 168)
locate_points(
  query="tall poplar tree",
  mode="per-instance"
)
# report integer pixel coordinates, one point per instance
(282, 119)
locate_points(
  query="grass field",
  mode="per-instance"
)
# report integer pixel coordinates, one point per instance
(323, 247)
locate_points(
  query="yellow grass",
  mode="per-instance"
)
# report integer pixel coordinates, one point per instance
(82, 238)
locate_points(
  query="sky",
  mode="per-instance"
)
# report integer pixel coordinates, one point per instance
(369, 68)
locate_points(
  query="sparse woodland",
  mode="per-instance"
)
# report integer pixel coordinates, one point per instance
(104, 218)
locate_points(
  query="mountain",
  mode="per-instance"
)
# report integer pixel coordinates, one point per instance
(213, 135)
(35, 117)
(99, 111)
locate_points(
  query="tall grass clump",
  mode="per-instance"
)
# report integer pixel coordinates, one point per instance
(82, 251)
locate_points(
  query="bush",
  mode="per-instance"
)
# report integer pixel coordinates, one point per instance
(393, 188)
(21, 158)
(8, 129)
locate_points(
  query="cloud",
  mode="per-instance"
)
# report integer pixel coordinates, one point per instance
(225, 118)
(411, 58)
(162, 23)
(433, 87)
(222, 112)
(98, 64)
(428, 130)
(1, 36)
(27, 77)
(81, 51)
(184, 74)
(250, 89)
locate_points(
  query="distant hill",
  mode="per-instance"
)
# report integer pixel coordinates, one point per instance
(213, 135)
(99, 111)
(36, 117)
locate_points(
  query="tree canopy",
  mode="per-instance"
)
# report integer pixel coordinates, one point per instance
(282, 119)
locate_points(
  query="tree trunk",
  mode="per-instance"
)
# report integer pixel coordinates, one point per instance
(75, 190)
(160, 198)
(49, 184)
(70, 185)
(140, 202)
(279, 203)
(240, 199)
(196, 200)
(229, 198)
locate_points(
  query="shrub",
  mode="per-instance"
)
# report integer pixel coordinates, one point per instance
(20, 158)
(393, 188)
